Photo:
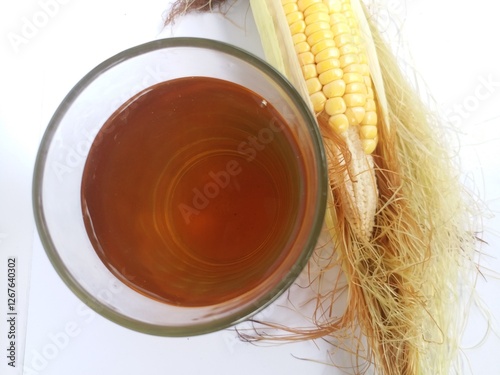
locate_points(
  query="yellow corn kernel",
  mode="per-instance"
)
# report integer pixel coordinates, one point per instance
(334, 6)
(340, 29)
(302, 47)
(306, 58)
(356, 39)
(370, 105)
(335, 106)
(346, 60)
(346, 9)
(290, 7)
(337, 18)
(369, 145)
(314, 27)
(355, 100)
(368, 132)
(342, 39)
(334, 88)
(316, 8)
(304, 4)
(355, 31)
(284, 2)
(348, 48)
(297, 27)
(352, 24)
(317, 17)
(330, 76)
(353, 77)
(318, 100)
(309, 71)
(370, 118)
(318, 36)
(355, 114)
(339, 123)
(354, 68)
(320, 46)
(328, 53)
(298, 38)
(325, 65)
(313, 85)
(293, 17)
(356, 88)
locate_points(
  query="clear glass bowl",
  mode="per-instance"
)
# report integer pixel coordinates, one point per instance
(65, 146)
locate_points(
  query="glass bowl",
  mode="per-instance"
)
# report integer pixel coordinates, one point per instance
(76, 129)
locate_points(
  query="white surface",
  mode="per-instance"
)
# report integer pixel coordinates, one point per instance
(46, 49)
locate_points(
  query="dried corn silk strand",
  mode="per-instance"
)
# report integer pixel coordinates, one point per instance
(182, 7)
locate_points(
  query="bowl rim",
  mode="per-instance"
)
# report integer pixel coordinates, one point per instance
(40, 167)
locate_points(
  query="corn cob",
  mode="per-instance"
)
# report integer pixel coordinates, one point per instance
(329, 46)
(325, 44)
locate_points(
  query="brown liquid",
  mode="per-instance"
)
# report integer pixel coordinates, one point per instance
(192, 191)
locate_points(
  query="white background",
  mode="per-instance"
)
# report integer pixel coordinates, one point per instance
(454, 46)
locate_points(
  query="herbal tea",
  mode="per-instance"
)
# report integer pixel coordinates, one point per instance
(192, 191)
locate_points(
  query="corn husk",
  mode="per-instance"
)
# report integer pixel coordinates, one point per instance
(407, 282)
